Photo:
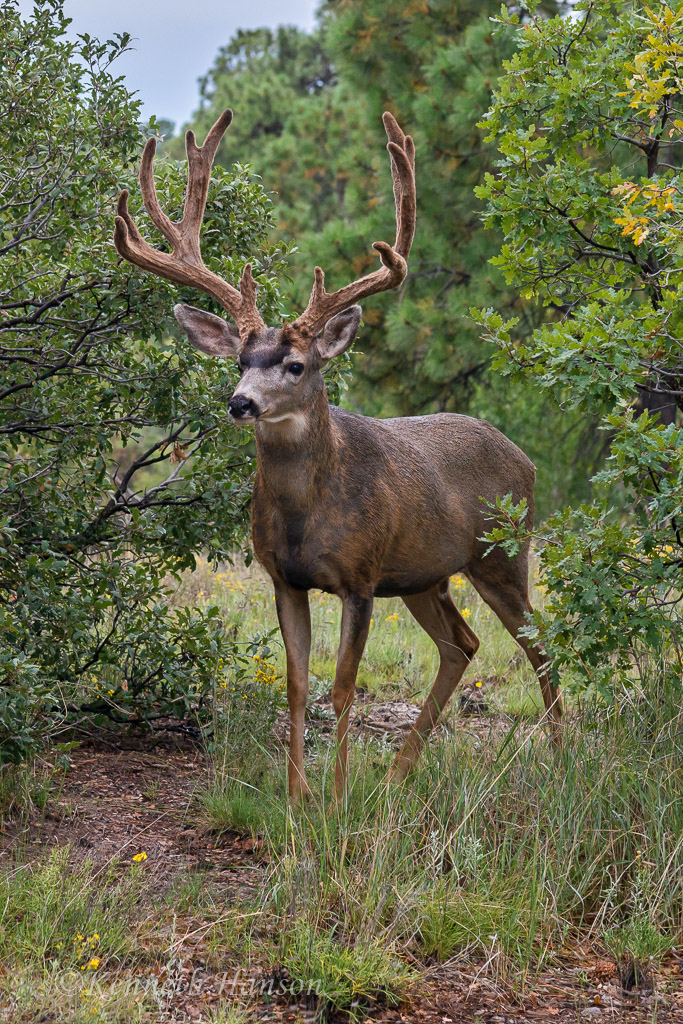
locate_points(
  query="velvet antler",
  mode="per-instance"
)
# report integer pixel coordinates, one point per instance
(184, 264)
(322, 306)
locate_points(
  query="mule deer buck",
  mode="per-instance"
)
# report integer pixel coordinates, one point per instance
(357, 507)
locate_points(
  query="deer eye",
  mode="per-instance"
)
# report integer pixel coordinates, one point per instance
(296, 368)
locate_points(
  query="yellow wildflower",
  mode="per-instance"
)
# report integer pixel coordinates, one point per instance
(140, 856)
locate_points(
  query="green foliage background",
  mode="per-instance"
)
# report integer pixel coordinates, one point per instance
(588, 120)
(116, 464)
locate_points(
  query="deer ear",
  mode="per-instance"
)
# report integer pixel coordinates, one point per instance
(210, 334)
(338, 333)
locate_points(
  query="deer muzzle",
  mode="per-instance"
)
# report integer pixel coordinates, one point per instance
(240, 407)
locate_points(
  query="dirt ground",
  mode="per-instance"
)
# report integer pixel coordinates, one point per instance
(116, 802)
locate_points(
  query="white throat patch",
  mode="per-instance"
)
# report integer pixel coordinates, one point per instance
(296, 422)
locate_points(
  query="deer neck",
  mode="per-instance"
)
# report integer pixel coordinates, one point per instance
(297, 452)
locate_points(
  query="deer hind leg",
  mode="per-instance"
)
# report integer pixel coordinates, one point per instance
(295, 624)
(506, 593)
(356, 612)
(457, 644)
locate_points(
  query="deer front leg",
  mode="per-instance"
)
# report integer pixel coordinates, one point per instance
(356, 612)
(295, 623)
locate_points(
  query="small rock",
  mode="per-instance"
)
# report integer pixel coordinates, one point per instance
(591, 1011)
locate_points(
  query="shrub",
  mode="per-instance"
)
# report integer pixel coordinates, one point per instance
(588, 122)
(116, 467)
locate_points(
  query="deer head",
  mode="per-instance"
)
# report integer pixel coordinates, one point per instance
(280, 365)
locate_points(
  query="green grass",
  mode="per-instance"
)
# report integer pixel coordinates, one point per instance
(228, 1014)
(399, 658)
(64, 912)
(30, 996)
(25, 787)
(66, 931)
(505, 850)
(342, 975)
(499, 849)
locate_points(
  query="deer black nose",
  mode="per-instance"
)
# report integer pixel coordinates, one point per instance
(240, 405)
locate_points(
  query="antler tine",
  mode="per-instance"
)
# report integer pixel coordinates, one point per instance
(402, 152)
(184, 265)
(150, 198)
(322, 306)
(200, 161)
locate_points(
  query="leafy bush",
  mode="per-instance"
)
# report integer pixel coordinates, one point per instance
(116, 464)
(588, 121)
